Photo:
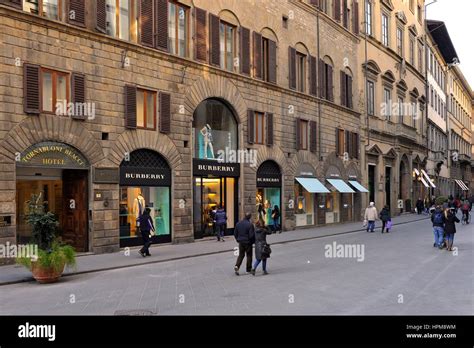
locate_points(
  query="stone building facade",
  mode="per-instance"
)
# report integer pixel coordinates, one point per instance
(169, 84)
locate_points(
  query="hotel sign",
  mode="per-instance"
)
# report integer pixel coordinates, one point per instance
(52, 155)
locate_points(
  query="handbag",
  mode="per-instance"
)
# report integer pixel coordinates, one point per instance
(364, 224)
(389, 224)
(266, 250)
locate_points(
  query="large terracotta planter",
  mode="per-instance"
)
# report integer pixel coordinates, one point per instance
(46, 275)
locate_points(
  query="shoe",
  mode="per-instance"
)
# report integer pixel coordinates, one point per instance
(434, 245)
(252, 272)
(223, 239)
(148, 254)
(265, 272)
(141, 253)
(236, 270)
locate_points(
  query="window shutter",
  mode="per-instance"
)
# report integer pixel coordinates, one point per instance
(31, 89)
(313, 87)
(165, 112)
(345, 20)
(161, 24)
(349, 92)
(292, 67)
(77, 13)
(347, 142)
(146, 23)
(78, 91)
(13, 3)
(322, 79)
(257, 55)
(356, 145)
(355, 14)
(272, 66)
(250, 126)
(337, 10)
(214, 40)
(314, 3)
(269, 120)
(343, 88)
(298, 134)
(130, 107)
(244, 51)
(338, 146)
(313, 144)
(101, 19)
(200, 40)
(330, 95)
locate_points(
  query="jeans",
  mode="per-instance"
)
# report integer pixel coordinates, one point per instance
(220, 231)
(438, 235)
(147, 242)
(257, 262)
(450, 237)
(371, 226)
(276, 227)
(245, 250)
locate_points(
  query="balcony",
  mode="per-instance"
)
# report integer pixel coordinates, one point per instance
(406, 132)
(463, 158)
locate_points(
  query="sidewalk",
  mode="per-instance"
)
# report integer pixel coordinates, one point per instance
(88, 263)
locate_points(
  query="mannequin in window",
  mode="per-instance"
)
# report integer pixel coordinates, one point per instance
(139, 206)
(207, 135)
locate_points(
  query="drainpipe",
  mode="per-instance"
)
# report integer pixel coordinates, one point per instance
(318, 90)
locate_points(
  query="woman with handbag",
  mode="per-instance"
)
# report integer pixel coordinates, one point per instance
(262, 248)
(386, 218)
(276, 218)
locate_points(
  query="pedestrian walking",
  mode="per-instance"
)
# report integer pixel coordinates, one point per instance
(419, 206)
(386, 218)
(262, 248)
(450, 228)
(147, 229)
(465, 208)
(244, 234)
(438, 220)
(370, 216)
(221, 221)
(276, 218)
(261, 213)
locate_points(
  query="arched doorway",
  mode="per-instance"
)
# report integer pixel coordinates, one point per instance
(145, 182)
(268, 190)
(216, 165)
(404, 180)
(57, 174)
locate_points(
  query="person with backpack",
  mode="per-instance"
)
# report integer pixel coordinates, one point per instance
(276, 218)
(221, 221)
(147, 229)
(262, 248)
(465, 208)
(419, 206)
(385, 217)
(450, 228)
(244, 234)
(438, 220)
(370, 216)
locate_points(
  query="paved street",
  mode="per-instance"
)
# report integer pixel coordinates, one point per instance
(401, 274)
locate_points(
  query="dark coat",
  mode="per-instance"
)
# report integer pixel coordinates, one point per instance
(260, 241)
(221, 217)
(275, 213)
(385, 215)
(438, 211)
(450, 224)
(244, 232)
(146, 223)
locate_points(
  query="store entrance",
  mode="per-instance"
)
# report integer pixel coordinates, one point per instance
(210, 193)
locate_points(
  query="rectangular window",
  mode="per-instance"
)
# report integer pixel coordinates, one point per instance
(368, 17)
(227, 45)
(387, 98)
(178, 29)
(370, 98)
(304, 134)
(412, 51)
(265, 58)
(54, 88)
(385, 29)
(341, 142)
(300, 71)
(118, 18)
(146, 109)
(420, 14)
(412, 6)
(259, 128)
(400, 41)
(420, 58)
(46, 8)
(400, 109)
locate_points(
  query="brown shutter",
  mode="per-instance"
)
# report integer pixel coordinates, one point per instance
(200, 40)
(322, 79)
(13, 3)
(338, 146)
(349, 92)
(250, 126)
(343, 88)
(146, 23)
(337, 10)
(101, 16)
(257, 55)
(130, 106)
(355, 14)
(356, 145)
(347, 142)
(77, 10)
(269, 120)
(330, 84)
(292, 67)
(272, 66)
(313, 143)
(298, 134)
(345, 20)
(31, 89)
(214, 40)
(313, 86)
(244, 51)
(161, 24)
(165, 112)
(78, 91)
(314, 3)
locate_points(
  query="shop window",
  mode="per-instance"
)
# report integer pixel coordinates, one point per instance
(178, 27)
(46, 8)
(55, 89)
(146, 109)
(227, 45)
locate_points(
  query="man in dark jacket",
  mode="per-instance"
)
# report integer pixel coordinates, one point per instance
(244, 235)
(438, 220)
(221, 220)
(385, 217)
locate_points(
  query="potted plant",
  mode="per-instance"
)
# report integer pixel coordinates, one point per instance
(48, 265)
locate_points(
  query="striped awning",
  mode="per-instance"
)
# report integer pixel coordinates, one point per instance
(428, 179)
(462, 185)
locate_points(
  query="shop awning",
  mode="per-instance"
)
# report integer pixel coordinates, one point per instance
(340, 185)
(428, 179)
(424, 182)
(358, 186)
(312, 185)
(462, 185)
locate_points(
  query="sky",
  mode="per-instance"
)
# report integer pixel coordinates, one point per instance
(458, 17)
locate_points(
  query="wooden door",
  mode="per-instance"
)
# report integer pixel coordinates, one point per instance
(75, 202)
